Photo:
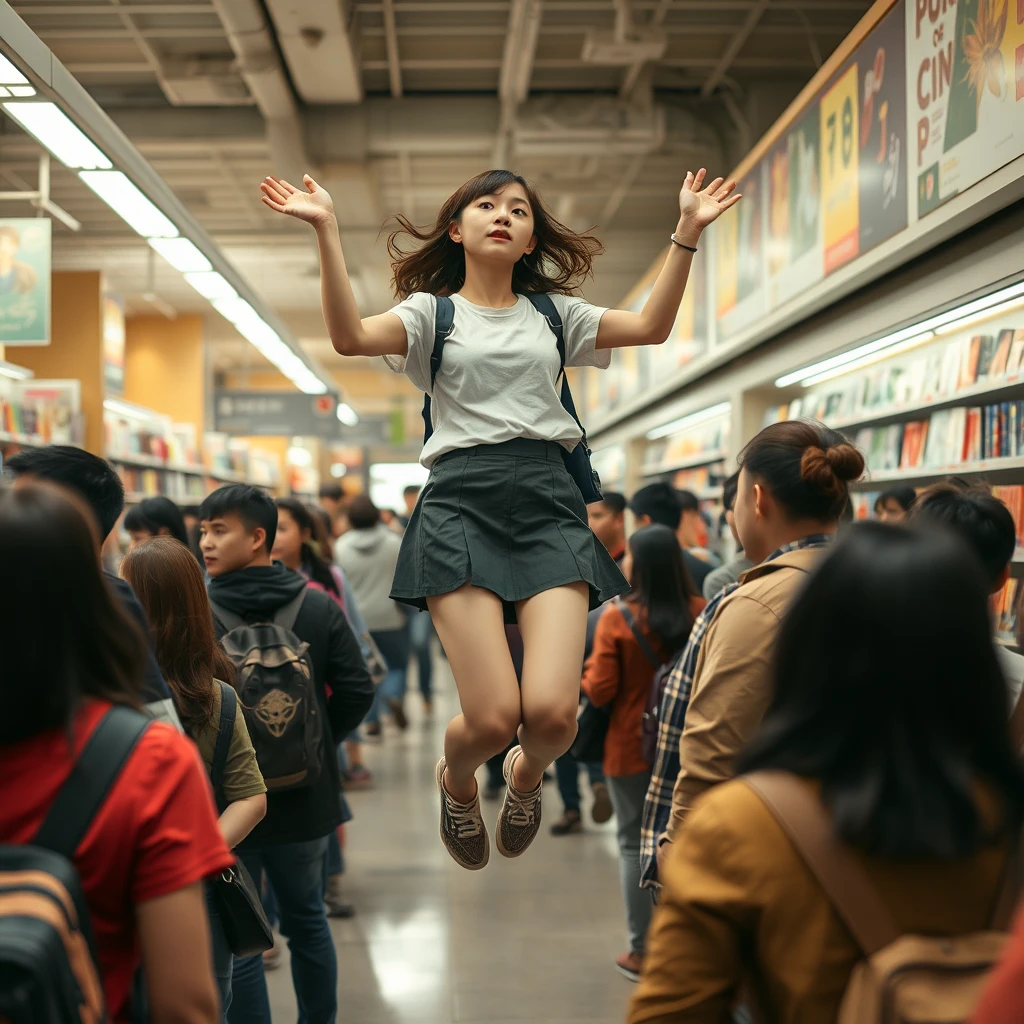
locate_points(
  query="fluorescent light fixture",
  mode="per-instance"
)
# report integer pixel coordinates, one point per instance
(688, 421)
(181, 254)
(952, 320)
(347, 414)
(130, 203)
(9, 74)
(48, 124)
(15, 371)
(212, 286)
(128, 410)
(299, 456)
(872, 357)
(338, 469)
(21, 90)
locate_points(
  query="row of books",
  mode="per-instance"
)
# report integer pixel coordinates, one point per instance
(183, 488)
(41, 411)
(1007, 603)
(1012, 496)
(938, 373)
(948, 437)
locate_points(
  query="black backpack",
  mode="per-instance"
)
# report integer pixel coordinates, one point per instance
(577, 462)
(274, 681)
(48, 966)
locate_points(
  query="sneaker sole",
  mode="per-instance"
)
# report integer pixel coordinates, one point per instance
(506, 772)
(438, 776)
(633, 977)
(602, 810)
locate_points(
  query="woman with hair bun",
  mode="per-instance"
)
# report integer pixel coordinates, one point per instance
(793, 488)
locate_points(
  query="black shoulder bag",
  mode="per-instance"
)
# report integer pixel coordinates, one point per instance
(577, 462)
(233, 893)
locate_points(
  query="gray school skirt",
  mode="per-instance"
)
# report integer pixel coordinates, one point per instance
(506, 517)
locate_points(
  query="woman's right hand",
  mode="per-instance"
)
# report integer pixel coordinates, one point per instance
(314, 207)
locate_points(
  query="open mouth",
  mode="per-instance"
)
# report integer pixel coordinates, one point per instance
(504, 236)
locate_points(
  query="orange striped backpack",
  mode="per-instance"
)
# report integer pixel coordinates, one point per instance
(48, 965)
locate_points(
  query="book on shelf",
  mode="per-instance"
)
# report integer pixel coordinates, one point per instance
(1001, 355)
(1012, 496)
(1013, 362)
(1006, 604)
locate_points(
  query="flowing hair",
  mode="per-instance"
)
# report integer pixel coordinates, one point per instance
(662, 585)
(169, 584)
(561, 261)
(318, 567)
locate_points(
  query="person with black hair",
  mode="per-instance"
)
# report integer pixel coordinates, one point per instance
(239, 524)
(903, 744)
(693, 532)
(661, 503)
(793, 487)
(721, 577)
(499, 534)
(635, 636)
(607, 518)
(331, 495)
(986, 525)
(894, 504)
(73, 656)
(95, 481)
(155, 517)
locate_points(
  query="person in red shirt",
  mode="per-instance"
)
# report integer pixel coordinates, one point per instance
(634, 636)
(70, 653)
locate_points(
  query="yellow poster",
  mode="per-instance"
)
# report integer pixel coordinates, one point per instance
(726, 262)
(840, 178)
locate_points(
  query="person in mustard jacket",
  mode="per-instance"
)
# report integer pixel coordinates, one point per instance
(907, 744)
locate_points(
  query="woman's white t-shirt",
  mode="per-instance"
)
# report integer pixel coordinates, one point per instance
(498, 371)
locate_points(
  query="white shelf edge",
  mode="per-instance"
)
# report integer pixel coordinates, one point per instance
(28, 440)
(690, 462)
(933, 473)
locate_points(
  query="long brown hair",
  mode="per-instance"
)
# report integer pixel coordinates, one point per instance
(561, 261)
(168, 581)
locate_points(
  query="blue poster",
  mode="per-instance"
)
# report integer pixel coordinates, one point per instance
(25, 281)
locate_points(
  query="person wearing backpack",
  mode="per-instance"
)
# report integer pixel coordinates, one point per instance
(858, 869)
(635, 637)
(289, 644)
(169, 584)
(487, 323)
(109, 810)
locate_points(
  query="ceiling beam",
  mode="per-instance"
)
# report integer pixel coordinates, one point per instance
(391, 39)
(584, 6)
(736, 44)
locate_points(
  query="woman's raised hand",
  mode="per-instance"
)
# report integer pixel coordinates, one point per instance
(314, 206)
(700, 206)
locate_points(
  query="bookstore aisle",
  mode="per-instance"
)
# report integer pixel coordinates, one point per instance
(532, 939)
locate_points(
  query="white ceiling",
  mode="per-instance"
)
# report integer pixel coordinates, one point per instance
(394, 103)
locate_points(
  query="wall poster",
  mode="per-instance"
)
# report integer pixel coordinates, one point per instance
(25, 281)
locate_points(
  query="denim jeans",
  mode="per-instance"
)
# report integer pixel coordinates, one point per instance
(567, 771)
(394, 646)
(222, 958)
(296, 872)
(420, 631)
(628, 793)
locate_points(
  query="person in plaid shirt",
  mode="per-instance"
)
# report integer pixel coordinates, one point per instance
(792, 491)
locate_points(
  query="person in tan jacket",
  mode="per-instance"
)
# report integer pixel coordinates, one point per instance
(905, 742)
(792, 490)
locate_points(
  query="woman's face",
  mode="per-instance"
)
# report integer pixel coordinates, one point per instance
(139, 537)
(498, 226)
(749, 517)
(289, 540)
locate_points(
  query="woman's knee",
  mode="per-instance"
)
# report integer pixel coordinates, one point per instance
(551, 726)
(496, 728)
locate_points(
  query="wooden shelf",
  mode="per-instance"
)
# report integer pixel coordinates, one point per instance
(923, 474)
(141, 461)
(980, 394)
(689, 462)
(25, 440)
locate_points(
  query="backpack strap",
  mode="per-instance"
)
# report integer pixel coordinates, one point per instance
(648, 652)
(94, 773)
(804, 820)
(547, 309)
(287, 614)
(229, 620)
(444, 324)
(225, 732)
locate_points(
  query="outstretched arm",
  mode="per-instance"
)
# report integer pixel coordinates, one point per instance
(380, 335)
(698, 207)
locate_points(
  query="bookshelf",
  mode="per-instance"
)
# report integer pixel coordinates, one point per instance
(688, 462)
(22, 440)
(930, 474)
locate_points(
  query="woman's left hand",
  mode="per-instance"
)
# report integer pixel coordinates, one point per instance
(699, 206)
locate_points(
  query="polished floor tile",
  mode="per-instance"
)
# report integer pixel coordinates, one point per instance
(532, 939)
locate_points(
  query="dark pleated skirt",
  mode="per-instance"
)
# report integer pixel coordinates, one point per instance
(508, 518)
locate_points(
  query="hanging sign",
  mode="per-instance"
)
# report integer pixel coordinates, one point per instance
(25, 281)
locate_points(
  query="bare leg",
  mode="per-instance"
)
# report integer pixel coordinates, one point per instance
(554, 628)
(470, 625)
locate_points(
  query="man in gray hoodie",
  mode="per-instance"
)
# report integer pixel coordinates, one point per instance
(368, 554)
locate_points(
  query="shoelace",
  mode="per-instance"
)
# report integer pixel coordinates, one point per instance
(467, 822)
(522, 810)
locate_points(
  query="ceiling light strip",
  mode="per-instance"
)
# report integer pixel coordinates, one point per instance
(710, 413)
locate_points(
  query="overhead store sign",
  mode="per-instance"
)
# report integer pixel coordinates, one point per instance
(276, 414)
(25, 281)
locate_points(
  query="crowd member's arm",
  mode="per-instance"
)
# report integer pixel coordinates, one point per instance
(241, 817)
(731, 693)
(174, 934)
(603, 671)
(347, 676)
(693, 965)
(355, 616)
(242, 786)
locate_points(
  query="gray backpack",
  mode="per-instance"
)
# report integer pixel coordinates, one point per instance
(275, 685)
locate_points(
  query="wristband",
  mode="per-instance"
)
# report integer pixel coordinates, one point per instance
(682, 245)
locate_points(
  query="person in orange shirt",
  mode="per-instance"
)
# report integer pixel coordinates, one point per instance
(634, 638)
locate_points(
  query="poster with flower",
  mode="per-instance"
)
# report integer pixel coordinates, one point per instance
(965, 94)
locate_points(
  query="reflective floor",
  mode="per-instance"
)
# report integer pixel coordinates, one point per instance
(532, 939)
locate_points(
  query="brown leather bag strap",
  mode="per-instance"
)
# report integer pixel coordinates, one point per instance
(802, 817)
